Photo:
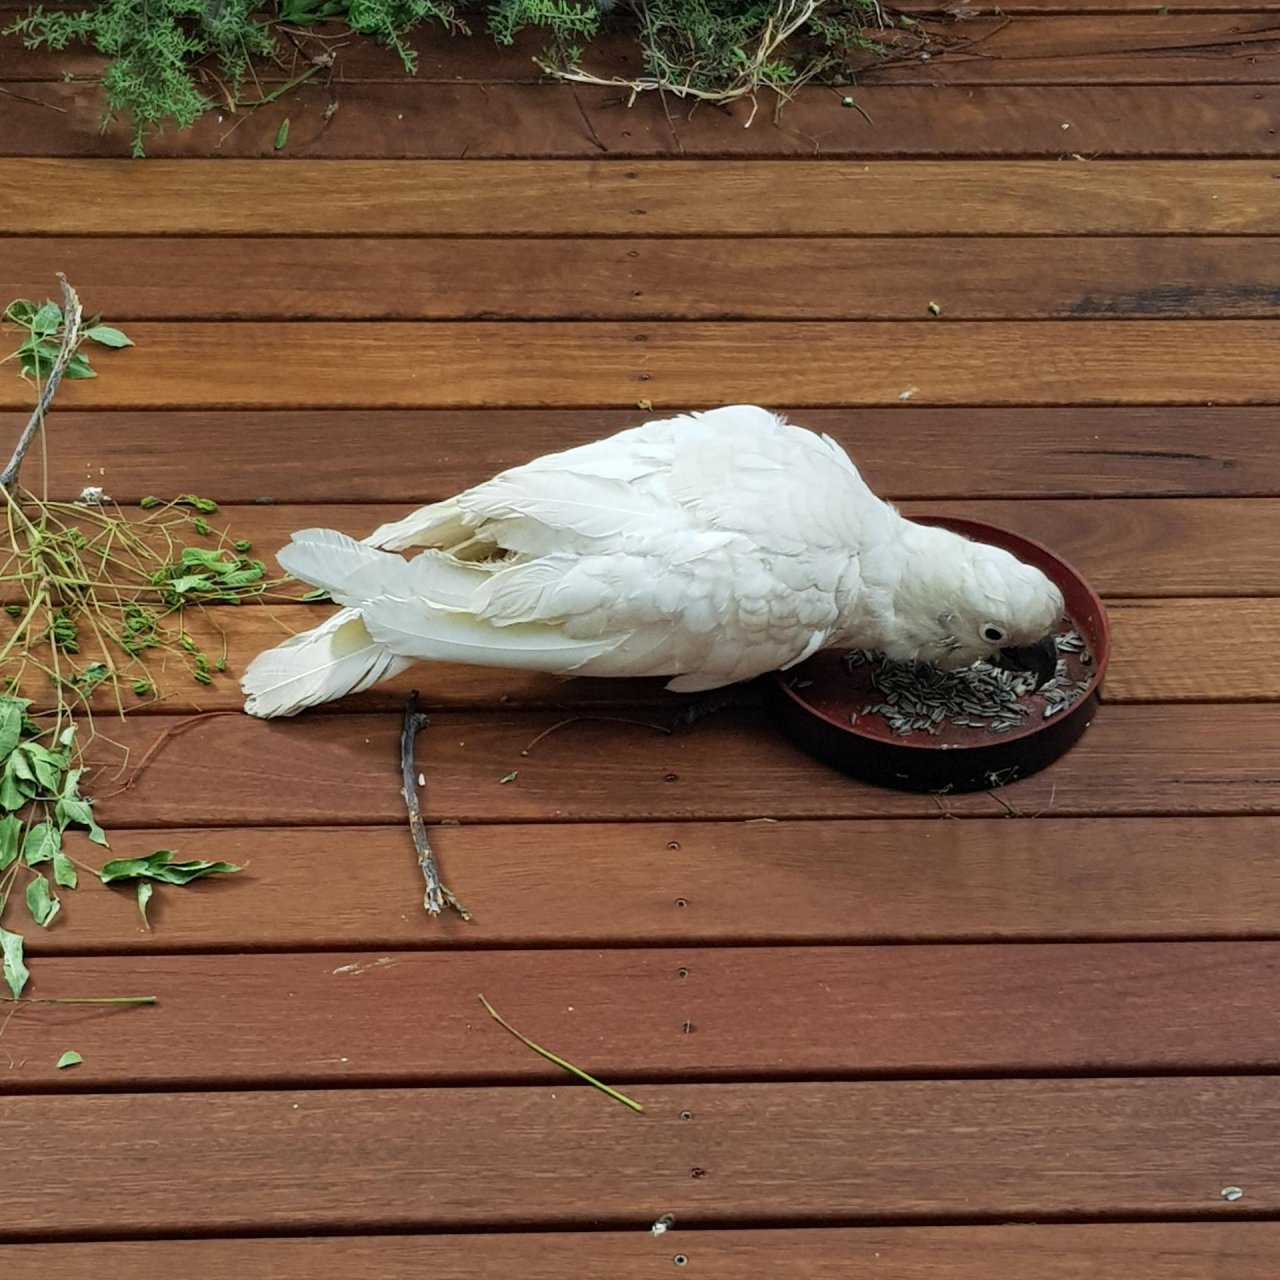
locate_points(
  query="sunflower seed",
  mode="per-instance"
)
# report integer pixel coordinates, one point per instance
(920, 698)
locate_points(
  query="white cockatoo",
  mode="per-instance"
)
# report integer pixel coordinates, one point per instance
(709, 548)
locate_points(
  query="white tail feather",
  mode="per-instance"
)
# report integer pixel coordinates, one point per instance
(414, 628)
(352, 572)
(441, 524)
(336, 658)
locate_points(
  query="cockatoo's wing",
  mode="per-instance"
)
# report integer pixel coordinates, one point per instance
(714, 544)
(710, 548)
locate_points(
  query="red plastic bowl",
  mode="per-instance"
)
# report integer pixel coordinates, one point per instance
(815, 701)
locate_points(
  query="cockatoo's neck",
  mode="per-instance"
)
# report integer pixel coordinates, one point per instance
(914, 577)
(933, 565)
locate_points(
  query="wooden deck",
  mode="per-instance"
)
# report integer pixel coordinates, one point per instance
(979, 1037)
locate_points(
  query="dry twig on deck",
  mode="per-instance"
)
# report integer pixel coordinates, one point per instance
(72, 316)
(437, 894)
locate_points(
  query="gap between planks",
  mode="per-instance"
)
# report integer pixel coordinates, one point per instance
(1116, 1251)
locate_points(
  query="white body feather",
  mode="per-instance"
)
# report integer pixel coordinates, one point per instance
(708, 548)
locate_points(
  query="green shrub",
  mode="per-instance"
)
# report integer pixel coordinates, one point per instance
(712, 49)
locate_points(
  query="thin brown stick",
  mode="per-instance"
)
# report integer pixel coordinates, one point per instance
(35, 102)
(564, 724)
(72, 316)
(437, 895)
(167, 736)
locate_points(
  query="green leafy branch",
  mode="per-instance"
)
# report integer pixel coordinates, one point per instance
(40, 801)
(169, 61)
(91, 596)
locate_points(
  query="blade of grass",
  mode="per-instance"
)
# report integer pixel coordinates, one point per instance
(97, 1000)
(560, 1062)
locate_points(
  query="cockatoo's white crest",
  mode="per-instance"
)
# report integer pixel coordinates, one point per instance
(707, 548)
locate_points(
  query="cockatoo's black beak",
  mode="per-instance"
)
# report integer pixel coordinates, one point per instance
(1040, 659)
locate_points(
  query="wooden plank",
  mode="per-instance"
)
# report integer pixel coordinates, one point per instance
(1125, 547)
(1108, 539)
(507, 364)
(1112, 1251)
(662, 197)
(1132, 48)
(1037, 8)
(1160, 656)
(1186, 47)
(905, 451)
(970, 278)
(757, 1013)
(413, 119)
(1170, 637)
(619, 885)
(1134, 760)
(970, 1150)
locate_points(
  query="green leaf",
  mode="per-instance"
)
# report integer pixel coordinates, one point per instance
(15, 972)
(204, 505)
(11, 710)
(11, 795)
(46, 320)
(211, 560)
(149, 502)
(191, 582)
(64, 871)
(20, 311)
(160, 866)
(73, 808)
(37, 358)
(43, 843)
(19, 764)
(49, 766)
(145, 890)
(79, 367)
(41, 902)
(10, 834)
(282, 134)
(69, 1059)
(109, 337)
(244, 577)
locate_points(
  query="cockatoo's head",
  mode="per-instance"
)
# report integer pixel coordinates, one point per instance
(958, 602)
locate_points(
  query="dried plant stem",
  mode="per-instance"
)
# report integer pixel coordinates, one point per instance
(779, 28)
(437, 895)
(125, 1000)
(560, 1062)
(73, 315)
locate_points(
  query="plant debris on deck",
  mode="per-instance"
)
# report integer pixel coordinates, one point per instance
(91, 596)
(169, 61)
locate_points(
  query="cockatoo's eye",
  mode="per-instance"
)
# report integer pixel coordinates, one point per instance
(992, 633)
